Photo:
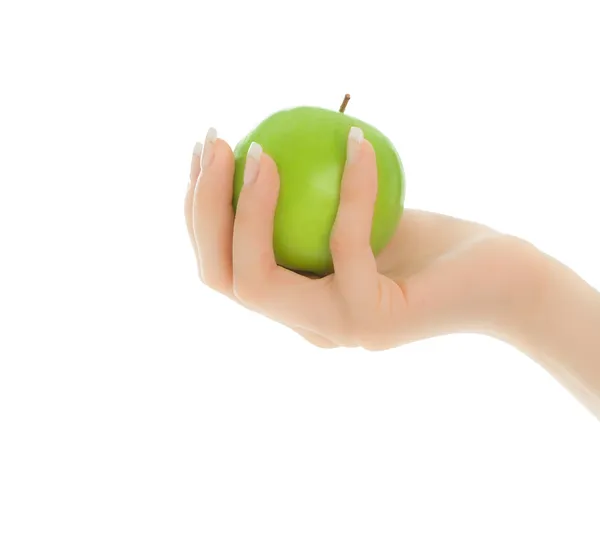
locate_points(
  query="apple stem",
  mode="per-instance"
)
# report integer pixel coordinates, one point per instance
(344, 103)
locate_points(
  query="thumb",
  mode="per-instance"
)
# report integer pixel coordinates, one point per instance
(353, 259)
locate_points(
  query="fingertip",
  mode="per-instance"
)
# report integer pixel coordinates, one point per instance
(221, 166)
(366, 152)
(269, 167)
(368, 148)
(223, 152)
(215, 182)
(358, 149)
(359, 181)
(358, 146)
(260, 170)
(195, 165)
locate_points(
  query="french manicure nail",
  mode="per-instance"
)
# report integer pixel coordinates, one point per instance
(195, 166)
(252, 163)
(208, 152)
(355, 139)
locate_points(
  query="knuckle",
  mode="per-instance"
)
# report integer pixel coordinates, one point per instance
(349, 242)
(252, 278)
(371, 344)
(248, 292)
(339, 243)
(318, 341)
(376, 341)
(368, 334)
(353, 195)
(214, 281)
(368, 340)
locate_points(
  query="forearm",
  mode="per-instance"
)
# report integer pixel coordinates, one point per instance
(560, 330)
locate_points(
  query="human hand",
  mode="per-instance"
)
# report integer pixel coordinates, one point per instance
(438, 274)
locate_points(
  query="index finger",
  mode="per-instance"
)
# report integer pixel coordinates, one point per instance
(259, 282)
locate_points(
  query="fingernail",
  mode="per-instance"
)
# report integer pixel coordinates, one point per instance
(208, 152)
(195, 165)
(355, 139)
(252, 163)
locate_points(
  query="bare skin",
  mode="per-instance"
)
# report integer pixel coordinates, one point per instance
(438, 275)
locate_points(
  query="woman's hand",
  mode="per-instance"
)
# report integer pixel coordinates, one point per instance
(437, 275)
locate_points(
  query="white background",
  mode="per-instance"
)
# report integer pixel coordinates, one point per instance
(141, 412)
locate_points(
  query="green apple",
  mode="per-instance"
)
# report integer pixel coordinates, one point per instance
(308, 145)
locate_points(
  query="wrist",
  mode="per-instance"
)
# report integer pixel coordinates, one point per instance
(555, 320)
(520, 293)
